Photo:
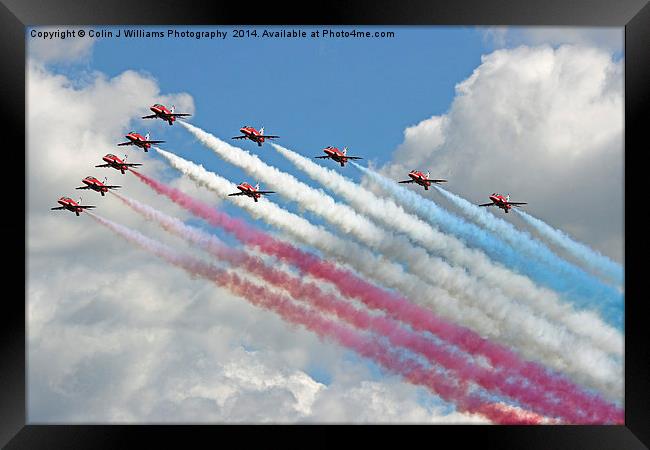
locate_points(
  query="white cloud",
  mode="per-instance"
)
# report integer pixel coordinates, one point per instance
(369, 400)
(608, 38)
(57, 50)
(540, 123)
(115, 335)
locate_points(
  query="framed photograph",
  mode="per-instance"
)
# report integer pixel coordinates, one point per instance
(382, 213)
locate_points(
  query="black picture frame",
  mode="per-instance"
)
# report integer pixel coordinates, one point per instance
(634, 15)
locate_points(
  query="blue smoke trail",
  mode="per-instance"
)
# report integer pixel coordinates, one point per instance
(589, 257)
(582, 289)
(571, 278)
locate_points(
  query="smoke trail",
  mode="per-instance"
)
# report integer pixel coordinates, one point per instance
(588, 291)
(516, 286)
(531, 395)
(287, 185)
(430, 269)
(576, 285)
(586, 367)
(591, 368)
(364, 345)
(590, 257)
(517, 320)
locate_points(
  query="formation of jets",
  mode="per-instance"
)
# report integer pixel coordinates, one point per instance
(247, 132)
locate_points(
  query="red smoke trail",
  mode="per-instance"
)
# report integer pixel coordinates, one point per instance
(532, 397)
(365, 345)
(594, 408)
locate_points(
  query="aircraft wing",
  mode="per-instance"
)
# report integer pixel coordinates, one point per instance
(487, 204)
(87, 206)
(58, 207)
(112, 187)
(265, 192)
(104, 165)
(321, 157)
(131, 164)
(178, 115)
(517, 203)
(126, 143)
(153, 142)
(84, 187)
(354, 157)
(406, 181)
(438, 181)
(269, 136)
(152, 116)
(238, 137)
(236, 193)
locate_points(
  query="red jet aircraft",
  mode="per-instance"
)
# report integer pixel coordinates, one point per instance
(250, 191)
(116, 163)
(340, 156)
(71, 205)
(96, 185)
(502, 202)
(165, 114)
(254, 135)
(141, 141)
(422, 179)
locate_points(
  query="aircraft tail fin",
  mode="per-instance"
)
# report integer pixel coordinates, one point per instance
(507, 197)
(172, 108)
(146, 137)
(262, 131)
(345, 150)
(257, 186)
(428, 174)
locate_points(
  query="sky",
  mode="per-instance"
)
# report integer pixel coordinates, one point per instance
(536, 112)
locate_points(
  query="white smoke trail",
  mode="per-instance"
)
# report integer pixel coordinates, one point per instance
(431, 269)
(311, 199)
(547, 344)
(516, 286)
(419, 262)
(587, 256)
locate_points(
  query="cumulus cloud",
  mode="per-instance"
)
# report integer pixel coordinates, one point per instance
(544, 124)
(57, 50)
(114, 335)
(607, 38)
